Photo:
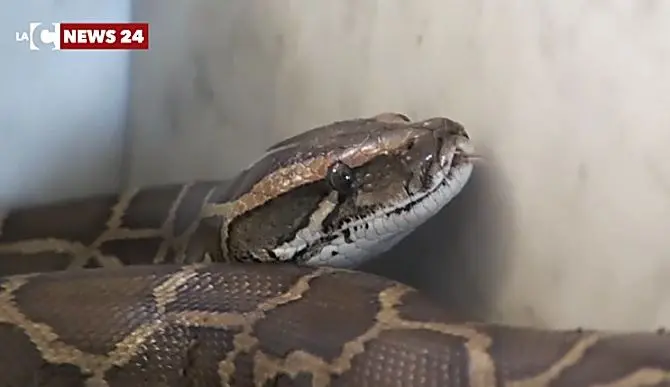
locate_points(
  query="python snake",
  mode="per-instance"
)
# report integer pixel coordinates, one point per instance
(175, 285)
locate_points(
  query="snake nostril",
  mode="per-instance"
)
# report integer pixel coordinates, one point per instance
(410, 144)
(457, 129)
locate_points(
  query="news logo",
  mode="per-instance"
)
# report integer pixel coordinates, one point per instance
(86, 36)
(41, 35)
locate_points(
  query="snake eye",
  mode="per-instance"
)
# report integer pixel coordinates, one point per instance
(341, 177)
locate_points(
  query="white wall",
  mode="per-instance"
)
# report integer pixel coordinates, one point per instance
(567, 222)
(62, 114)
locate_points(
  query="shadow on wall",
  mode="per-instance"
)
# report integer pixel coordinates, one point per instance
(458, 257)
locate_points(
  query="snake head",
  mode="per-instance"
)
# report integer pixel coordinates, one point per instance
(343, 193)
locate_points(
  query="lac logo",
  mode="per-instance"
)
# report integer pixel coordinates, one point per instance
(41, 36)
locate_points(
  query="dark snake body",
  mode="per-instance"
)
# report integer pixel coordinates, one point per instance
(285, 325)
(120, 302)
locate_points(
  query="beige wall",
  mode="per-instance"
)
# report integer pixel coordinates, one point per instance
(567, 221)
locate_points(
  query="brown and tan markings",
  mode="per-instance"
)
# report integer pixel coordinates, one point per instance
(308, 161)
(147, 226)
(135, 319)
(264, 325)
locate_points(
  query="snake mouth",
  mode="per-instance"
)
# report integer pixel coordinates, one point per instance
(461, 157)
(457, 159)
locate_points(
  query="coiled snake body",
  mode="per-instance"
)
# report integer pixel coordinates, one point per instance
(128, 294)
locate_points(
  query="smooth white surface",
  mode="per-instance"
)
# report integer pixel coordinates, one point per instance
(569, 100)
(62, 114)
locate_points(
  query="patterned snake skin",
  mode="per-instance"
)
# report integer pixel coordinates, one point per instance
(149, 308)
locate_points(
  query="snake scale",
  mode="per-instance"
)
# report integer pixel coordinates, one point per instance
(250, 283)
